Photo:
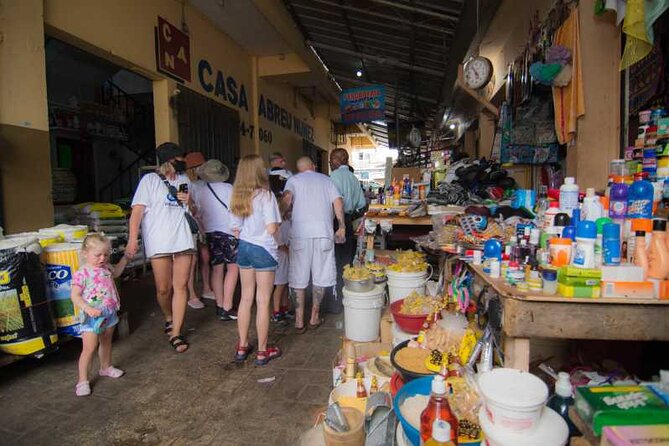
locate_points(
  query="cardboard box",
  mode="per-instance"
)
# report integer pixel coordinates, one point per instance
(572, 271)
(386, 326)
(622, 273)
(644, 290)
(578, 291)
(413, 172)
(635, 435)
(363, 351)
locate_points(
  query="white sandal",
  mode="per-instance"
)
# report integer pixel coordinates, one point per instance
(83, 388)
(111, 372)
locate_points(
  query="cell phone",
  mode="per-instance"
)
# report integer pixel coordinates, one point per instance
(183, 188)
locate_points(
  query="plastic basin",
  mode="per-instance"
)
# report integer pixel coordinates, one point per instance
(411, 323)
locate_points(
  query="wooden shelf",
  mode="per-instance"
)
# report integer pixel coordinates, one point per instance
(469, 101)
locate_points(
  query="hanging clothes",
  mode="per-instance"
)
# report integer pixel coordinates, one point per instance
(638, 44)
(568, 101)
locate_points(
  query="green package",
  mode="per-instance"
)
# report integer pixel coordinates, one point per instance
(572, 271)
(563, 278)
(620, 406)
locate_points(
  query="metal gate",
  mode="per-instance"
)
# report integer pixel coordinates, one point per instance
(208, 127)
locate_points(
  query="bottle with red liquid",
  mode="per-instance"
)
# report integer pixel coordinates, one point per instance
(438, 409)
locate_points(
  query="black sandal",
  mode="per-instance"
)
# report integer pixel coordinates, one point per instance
(178, 341)
(168, 328)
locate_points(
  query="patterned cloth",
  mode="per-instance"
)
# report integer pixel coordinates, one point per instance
(97, 287)
(222, 248)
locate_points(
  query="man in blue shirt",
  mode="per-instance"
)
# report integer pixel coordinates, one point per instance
(354, 206)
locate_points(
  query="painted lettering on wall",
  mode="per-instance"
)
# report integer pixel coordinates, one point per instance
(273, 112)
(224, 87)
(172, 51)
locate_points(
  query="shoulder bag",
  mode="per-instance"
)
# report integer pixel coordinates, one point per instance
(192, 223)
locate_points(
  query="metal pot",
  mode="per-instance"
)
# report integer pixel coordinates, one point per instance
(359, 286)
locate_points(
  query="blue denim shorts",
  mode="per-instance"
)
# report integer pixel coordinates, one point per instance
(254, 256)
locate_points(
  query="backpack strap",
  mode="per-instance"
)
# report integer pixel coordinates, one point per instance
(215, 195)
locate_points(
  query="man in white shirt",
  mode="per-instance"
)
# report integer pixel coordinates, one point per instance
(354, 204)
(315, 201)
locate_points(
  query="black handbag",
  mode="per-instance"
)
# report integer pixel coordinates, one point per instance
(192, 223)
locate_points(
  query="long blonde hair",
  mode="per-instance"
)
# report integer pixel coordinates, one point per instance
(251, 176)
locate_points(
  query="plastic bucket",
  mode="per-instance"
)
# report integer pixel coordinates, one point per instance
(67, 232)
(356, 434)
(362, 314)
(514, 400)
(62, 260)
(400, 284)
(26, 326)
(552, 430)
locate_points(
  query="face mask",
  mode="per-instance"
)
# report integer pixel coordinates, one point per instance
(179, 166)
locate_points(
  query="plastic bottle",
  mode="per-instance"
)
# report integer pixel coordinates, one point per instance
(406, 186)
(569, 195)
(618, 199)
(441, 434)
(658, 255)
(638, 224)
(542, 204)
(397, 192)
(437, 409)
(360, 390)
(549, 215)
(586, 235)
(640, 199)
(592, 208)
(562, 399)
(640, 252)
(599, 241)
(611, 244)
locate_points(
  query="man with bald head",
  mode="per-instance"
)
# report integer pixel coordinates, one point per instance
(349, 187)
(315, 202)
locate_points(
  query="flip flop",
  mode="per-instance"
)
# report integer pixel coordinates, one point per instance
(301, 330)
(196, 304)
(179, 341)
(168, 328)
(316, 325)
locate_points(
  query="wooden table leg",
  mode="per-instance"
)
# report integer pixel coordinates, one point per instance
(517, 353)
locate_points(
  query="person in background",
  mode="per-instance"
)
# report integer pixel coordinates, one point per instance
(313, 196)
(349, 188)
(159, 206)
(256, 221)
(280, 308)
(278, 174)
(193, 161)
(211, 203)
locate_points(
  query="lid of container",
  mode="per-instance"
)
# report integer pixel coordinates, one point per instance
(560, 241)
(513, 388)
(640, 233)
(554, 204)
(441, 431)
(586, 229)
(552, 430)
(563, 385)
(570, 180)
(569, 232)
(600, 222)
(590, 192)
(549, 274)
(642, 224)
(659, 225)
(611, 230)
(438, 385)
(561, 219)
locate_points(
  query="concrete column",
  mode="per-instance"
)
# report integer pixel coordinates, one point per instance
(25, 165)
(164, 117)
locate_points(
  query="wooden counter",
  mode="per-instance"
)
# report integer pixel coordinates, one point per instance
(527, 315)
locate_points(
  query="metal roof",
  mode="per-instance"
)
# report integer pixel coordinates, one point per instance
(409, 46)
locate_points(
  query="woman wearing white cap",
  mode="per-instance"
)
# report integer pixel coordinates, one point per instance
(211, 203)
(160, 206)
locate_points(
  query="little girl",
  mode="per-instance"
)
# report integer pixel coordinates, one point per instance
(95, 294)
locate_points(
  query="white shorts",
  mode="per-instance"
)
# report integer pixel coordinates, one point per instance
(313, 257)
(281, 276)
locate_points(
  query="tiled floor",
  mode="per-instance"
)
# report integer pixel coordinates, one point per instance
(200, 397)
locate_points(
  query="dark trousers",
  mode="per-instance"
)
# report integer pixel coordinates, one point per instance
(344, 256)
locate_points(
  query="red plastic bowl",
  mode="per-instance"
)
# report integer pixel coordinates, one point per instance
(411, 323)
(396, 383)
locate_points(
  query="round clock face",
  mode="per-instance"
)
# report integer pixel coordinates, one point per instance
(477, 72)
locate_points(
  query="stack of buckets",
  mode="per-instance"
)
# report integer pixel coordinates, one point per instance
(514, 412)
(400, 285)
(362, 313)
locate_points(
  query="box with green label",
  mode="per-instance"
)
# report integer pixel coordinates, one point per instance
(620, 406)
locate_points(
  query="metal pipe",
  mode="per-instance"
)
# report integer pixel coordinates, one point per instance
(377, 23)
(380, 59)
(396, 4)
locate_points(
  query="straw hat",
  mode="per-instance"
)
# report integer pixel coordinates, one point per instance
(194, 159)
(213, 171)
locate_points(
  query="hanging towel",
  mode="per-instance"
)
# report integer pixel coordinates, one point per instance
(654, 9)
(568, 101)
(637, 45)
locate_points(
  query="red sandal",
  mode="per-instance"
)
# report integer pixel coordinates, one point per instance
(242, 353)
(263, 357)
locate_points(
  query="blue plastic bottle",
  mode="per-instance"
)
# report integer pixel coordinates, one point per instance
(562, 399)
(640, 200)
(611, 244)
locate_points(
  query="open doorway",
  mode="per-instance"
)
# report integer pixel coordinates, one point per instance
(101, 126)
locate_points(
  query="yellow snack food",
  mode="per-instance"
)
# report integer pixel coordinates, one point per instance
(409, 262)
(356, 273)
(416, 304)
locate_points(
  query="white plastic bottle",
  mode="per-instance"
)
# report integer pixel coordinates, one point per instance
(592, 208)
(569, 195)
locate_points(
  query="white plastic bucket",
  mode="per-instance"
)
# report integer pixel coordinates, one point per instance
(551, 430)
(400, 284)
(513, 399)
(362, 314)
(400, 335)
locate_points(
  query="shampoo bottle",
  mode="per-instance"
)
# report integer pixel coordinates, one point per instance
(658, 255)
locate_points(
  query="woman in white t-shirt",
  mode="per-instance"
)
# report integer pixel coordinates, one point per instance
(159, 206)
(256, 221)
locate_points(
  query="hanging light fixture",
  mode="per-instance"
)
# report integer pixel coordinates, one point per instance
(358, 73)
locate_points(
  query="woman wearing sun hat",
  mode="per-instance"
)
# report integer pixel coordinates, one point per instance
(211, 201)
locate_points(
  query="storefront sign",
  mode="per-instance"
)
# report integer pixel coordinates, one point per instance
(363, 104)
(224, 87)
(172, 51)
(273, 112)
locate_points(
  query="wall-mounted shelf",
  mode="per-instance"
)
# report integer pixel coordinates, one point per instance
(468, 101)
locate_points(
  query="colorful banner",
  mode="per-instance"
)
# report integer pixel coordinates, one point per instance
(363, 104)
